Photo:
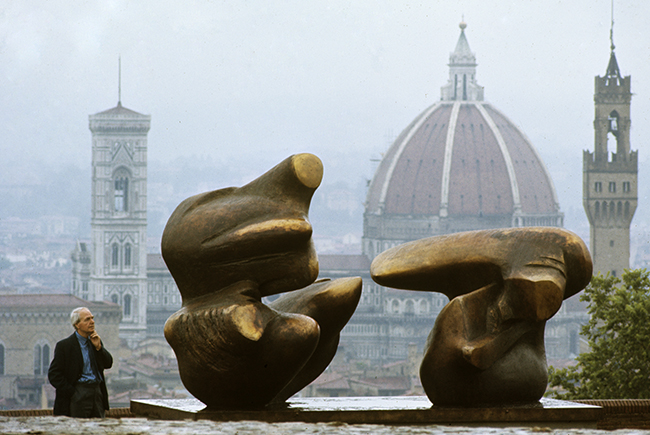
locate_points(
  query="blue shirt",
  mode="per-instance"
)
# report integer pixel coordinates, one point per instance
(88, 374)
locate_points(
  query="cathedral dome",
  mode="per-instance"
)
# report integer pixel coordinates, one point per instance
(460, 165)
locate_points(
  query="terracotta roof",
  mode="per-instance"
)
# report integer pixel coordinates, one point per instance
(462, 158)
(491, 169)
(48, 300)
(331, 381)
(387, 382)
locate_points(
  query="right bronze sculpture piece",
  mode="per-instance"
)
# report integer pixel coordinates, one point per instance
(487, 344)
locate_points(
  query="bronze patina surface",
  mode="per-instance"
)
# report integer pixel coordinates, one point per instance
(228, 248)
(487, 344)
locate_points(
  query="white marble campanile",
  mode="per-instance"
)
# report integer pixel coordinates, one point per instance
(118, 271)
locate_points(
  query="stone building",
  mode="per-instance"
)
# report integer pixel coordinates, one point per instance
(610, 178)
(30, 327)
(163, 297)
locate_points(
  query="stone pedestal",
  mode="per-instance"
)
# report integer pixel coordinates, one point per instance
(401, 410)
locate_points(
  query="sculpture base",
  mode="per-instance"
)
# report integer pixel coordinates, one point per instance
(396, 410)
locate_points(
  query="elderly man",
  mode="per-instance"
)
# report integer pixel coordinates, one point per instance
(77, 370)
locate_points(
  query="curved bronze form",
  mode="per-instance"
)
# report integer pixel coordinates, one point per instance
(487, 344)
(226, 250)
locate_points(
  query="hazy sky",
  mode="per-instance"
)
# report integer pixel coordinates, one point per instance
(247, 83)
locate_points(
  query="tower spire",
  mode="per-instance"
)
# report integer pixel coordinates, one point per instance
(611, 30)
(613, 73)
(119, 81)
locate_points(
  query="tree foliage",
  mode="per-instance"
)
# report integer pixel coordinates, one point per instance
(618, 332)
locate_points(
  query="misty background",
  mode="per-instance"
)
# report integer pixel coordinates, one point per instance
(234, 88)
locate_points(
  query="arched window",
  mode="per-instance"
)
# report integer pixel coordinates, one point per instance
(37, 359)
(409, 307)
(627, 209)
(424, 306)
(45, 360)
(613, 123)
(127, 255)
(127, 305)
(121, 193)
(114, 299)
(41, 358)
(597, 210)
(115, 255)
(2, 359)
(395, 306)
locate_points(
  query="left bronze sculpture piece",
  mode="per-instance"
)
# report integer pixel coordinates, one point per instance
(229, 248)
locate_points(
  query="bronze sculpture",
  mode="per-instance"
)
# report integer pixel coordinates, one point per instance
(487, 344)
(226, 250)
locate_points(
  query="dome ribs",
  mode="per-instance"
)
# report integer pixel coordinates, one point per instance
(460, 165)
(414, 174)
(536, 188)
(477, 183)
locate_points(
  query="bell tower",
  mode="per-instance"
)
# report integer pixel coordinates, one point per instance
(118, 272)
(610, 172)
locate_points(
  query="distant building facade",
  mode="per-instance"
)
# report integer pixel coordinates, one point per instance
(610, 178)
(30, 327)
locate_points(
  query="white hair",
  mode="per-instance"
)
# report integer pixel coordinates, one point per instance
(75, 317)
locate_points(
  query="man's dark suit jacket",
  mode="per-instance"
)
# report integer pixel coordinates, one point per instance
(66, 368)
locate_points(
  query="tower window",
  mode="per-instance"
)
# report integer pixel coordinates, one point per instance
(127, 255)
(611, 243)
(613, 123)
(626, 186)
(121, 193)
(612, 186)
(115, 255)
(598, 186)
(127, 305)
